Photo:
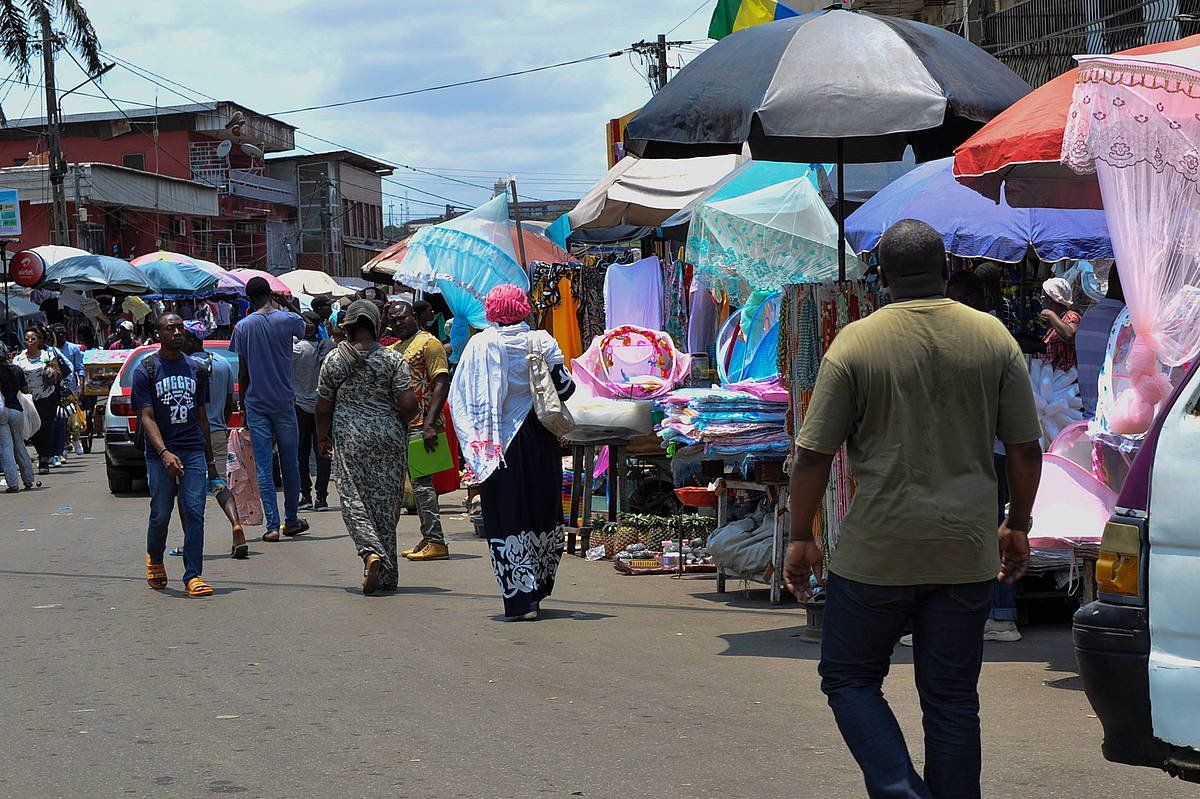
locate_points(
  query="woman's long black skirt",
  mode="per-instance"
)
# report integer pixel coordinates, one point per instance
(522, 516)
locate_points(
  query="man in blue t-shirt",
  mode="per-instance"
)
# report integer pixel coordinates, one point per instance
(263, 342)
(170, 391)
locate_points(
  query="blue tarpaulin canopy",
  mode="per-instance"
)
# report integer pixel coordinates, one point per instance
(96, 273)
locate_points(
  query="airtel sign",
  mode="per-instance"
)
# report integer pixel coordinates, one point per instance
(27, 268)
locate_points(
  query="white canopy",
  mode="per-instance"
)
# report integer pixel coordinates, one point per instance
(647, 191)
(314, 283)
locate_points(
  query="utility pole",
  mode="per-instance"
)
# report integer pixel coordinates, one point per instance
(326, 223)
(656, 52)
(80, 212)
(59, 231)
(660, 50)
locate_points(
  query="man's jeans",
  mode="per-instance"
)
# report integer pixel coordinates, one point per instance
(10, 442)
(307, 425)
(862, 625)
(191, 490)
(16, 427)
(268, 430)
(428, 509)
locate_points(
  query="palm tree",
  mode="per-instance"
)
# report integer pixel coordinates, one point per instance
(20, 46)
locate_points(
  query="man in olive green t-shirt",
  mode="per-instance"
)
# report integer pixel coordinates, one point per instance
(918, 392)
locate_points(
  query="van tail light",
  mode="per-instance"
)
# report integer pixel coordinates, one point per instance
(1120, 565)
(123, 406)
(235, 420)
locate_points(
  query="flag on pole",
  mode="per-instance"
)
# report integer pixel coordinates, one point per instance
(734, 15)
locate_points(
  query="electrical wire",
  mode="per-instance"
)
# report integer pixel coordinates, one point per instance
(410, 92)
(680, 23)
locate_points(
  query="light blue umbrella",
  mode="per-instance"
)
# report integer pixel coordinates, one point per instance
(973, 226)
(175, 279)
(96, 273)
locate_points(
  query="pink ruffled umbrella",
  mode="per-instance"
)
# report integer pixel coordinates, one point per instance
(277, 285)
(631, 362)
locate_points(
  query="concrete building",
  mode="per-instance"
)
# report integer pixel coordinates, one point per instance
(339, 221)
(219, 145)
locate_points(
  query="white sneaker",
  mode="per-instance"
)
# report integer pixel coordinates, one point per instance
(906, 640)
(55, 460)
(78, 447)
(1003, 631)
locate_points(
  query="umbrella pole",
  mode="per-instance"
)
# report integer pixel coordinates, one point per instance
(516, 208)
(841, 206)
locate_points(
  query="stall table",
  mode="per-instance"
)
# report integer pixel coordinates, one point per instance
(583, 465)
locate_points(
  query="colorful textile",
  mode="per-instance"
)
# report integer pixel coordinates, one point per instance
(734, 15)
(563, 323)
(589, 293)
(729, 422)
(675, 301)
(633, 294)
(748, 346)
(631, 362)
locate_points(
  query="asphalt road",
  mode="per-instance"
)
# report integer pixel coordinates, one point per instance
(289, 683)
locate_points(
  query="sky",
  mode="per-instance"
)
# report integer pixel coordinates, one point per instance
(546, 129)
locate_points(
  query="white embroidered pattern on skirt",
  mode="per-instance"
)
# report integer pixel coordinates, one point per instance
(525, 562)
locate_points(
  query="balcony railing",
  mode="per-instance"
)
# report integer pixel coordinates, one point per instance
(1037, 38)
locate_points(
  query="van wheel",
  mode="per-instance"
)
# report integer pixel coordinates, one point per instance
(120, 480)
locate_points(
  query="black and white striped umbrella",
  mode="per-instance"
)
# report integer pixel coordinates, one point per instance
(794, 89)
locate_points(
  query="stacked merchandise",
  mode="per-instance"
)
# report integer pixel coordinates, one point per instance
(742, 420)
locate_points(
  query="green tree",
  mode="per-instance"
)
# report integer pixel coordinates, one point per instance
(22, 23)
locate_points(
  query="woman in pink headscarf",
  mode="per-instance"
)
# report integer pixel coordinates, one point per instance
(516, 461)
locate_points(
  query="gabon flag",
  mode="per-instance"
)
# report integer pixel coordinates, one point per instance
(734, 15)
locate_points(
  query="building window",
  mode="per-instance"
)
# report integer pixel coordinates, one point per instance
(134, 161)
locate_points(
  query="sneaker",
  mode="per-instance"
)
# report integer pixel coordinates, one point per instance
(55, 461)
(78, 447)
(906, 640)
(420, 545)
(321, 504)
(431, 551)
(1002, 631)
(305, 503)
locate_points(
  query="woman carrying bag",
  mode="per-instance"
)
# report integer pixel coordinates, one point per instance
(44, 370)
(509, 386)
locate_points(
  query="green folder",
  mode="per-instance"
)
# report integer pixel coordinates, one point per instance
(422, 462)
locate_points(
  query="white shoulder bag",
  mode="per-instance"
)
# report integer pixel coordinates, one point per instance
(551, 411)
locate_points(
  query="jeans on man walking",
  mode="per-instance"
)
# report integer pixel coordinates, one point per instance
(428, 509)
(191, 490)
(862, 625)
(268, 430)
(10, 442)
(16, 426)
(307, 425)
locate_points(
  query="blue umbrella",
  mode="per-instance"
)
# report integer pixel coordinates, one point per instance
(972, 226)
(172, 279)
(96, 273)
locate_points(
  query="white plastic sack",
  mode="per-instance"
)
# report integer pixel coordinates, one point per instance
(598, 417)
(33, 422)
(743, 548)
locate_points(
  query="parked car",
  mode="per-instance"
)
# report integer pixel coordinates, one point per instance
(1138, 645)
(123, 461)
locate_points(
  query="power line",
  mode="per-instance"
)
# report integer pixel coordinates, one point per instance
(410, 92)
(679, 24)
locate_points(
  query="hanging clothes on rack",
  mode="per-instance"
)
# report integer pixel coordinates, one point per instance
(633, 294)
(562, 322)
(675, 301)
(589, 296)
(702, 320)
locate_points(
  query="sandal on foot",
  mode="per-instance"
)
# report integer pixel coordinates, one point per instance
(372, 574)
(239, 551)
(271, 535)
(197, 587)
(292, 532)
(177, 552)
(156, 575)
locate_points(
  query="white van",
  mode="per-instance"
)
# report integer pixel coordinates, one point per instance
(1138, 646)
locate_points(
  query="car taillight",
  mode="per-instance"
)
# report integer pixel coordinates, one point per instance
(1119, 568)
(235, 419)
(121, 406)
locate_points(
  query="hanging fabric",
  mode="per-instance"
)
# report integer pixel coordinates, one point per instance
(633, 294)
(563, 323)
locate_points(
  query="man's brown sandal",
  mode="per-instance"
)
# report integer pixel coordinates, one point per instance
(156, 575)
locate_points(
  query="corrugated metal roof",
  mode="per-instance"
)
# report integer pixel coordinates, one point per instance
(161, 111)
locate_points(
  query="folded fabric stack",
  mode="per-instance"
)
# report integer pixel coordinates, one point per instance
(735, 421)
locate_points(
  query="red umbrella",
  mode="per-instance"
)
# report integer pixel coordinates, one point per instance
(277, 285)
(1020, 148)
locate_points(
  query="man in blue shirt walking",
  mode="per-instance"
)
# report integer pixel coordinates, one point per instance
(170, 391)
(263, 342)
